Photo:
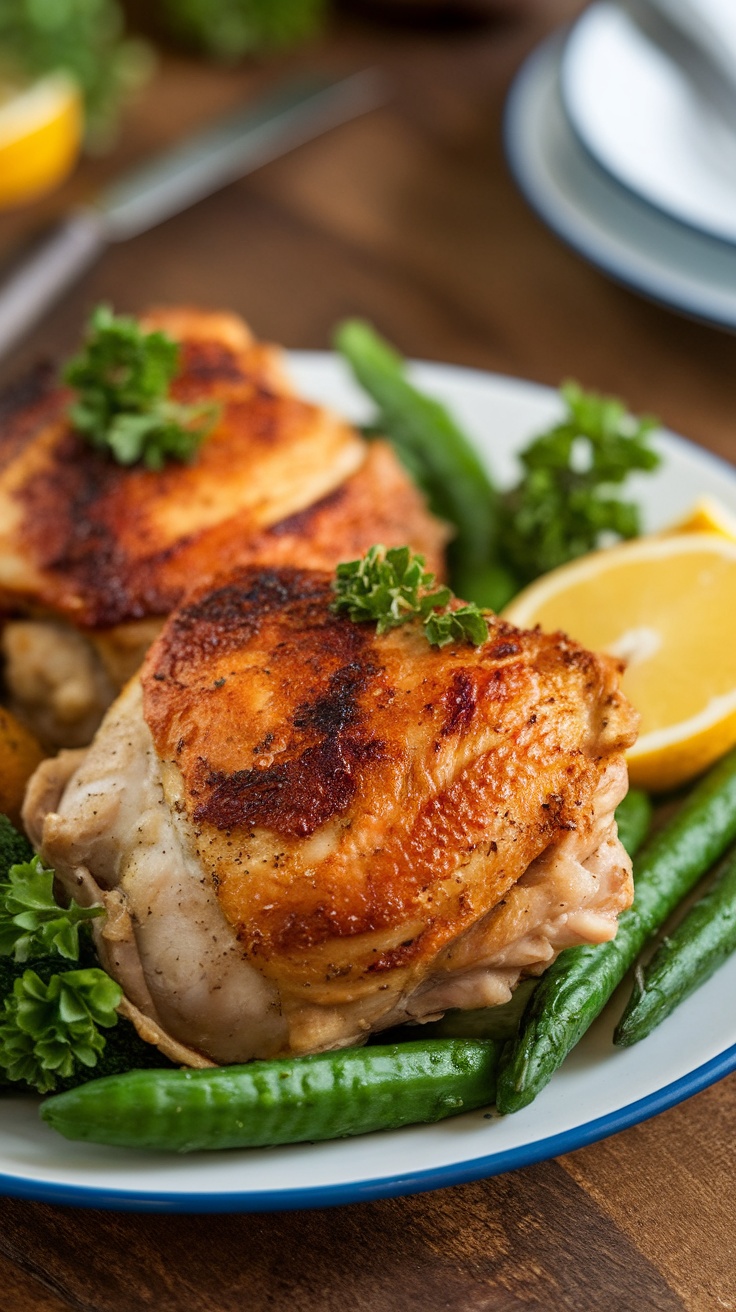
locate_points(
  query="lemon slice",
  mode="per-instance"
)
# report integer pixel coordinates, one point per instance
(667, 606)
(40, 134)
(707, 515)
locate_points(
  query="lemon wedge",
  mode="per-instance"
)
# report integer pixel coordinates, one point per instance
(667, 606)
(707, 515)
(40, 134)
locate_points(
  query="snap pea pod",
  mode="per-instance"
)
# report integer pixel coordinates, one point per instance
(327, 1096)
(440, 457)
(633, 819)
(576, 987)
(685, 960)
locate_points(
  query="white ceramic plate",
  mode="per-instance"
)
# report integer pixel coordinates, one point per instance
(605, 222)
(637, 115)
(599, 1090)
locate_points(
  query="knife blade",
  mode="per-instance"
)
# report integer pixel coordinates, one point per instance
(227, 149)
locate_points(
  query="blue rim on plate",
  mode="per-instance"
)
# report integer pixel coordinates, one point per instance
(614, 229)
(363, 1191)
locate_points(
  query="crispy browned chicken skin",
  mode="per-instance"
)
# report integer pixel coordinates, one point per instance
(306, 832)
(105, 552)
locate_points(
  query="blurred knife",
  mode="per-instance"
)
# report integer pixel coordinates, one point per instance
(227, 149)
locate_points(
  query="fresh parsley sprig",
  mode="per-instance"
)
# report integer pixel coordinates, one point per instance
(391, 587)
(32, 924)
(564, 504)
(122, 377)
(466, 624)
(46, 1030)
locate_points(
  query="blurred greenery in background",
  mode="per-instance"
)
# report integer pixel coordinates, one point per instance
(84, 37)
(90, 40)
(228, 29)
(94, 40)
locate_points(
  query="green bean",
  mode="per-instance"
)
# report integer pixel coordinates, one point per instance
(440, 456)
(576, 987)
(685, 960)
(327, 1096)
(633, 819)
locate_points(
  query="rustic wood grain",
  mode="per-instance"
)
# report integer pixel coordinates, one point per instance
(669, 1185)
(21, 1292)
(533, 1240)
(409, 217)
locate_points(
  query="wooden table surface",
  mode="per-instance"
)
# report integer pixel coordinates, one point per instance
(408, 217)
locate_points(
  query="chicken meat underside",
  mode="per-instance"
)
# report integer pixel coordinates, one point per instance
(190, 988)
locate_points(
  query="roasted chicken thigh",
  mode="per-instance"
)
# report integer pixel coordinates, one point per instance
(93, 555)
(304, 832)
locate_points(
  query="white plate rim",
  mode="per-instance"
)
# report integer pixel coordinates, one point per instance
(614, 249)
(383, 1183)
(370, 1190)
(634, 181)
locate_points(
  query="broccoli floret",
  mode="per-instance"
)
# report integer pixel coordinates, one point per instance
(14, 847)
(124, 1050)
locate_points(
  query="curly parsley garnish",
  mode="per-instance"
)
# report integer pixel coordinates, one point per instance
(392, 587)
(122, 377)
(47, 1029)
(564, 505)
(32, 924)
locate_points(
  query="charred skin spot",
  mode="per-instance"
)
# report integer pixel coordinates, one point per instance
(60, 520)
(498, 651)
(317, 772)
(72, 529)
(207, 361)
(294, 798)
(460, 704)
(227, 617)
(333, 711)
(299, 523)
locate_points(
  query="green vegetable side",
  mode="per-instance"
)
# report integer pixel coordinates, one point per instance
(327, 1096)
(55, 1001)
(564, 504)
(31, 921)
(576, 987)
(701, 943)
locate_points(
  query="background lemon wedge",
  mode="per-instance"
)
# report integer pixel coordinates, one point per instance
(41, 129)
(667, 606)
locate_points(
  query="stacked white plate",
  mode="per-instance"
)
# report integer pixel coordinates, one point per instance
(614, 150)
